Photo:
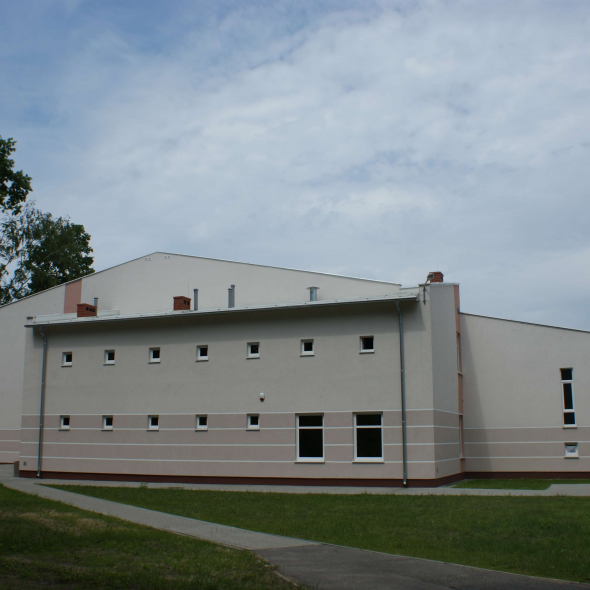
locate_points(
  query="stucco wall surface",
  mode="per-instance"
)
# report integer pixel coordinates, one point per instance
(12, 351)
(149, 283)
(445, 378)
(337, 381)
(512, 395)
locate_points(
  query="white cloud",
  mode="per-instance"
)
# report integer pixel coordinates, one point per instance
(384, 142)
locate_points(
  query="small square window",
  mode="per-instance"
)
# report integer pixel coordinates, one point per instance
(203, 352)
(367, 344)
(253, 422)
(109, 357)
(67, 359)
(201, 422)
(154, 355)
(253, 350)
(107, 422)
(571, 450)
(153, 422)
(307, 348)
(64, 422)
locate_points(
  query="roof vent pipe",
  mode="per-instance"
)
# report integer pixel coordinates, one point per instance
(96, 302)
(313, 293)
(231, 296)
(195, 299)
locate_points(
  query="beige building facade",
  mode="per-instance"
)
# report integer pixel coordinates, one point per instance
(356, 383)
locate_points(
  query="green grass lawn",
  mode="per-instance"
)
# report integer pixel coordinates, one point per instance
(514, 484)
(45, 544)
(543, 536)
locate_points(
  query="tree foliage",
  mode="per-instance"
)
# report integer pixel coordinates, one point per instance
(37, 250)
(14, 186)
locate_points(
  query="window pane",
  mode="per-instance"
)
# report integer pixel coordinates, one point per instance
(253, 420)
(108, 421)
(569, 418)
(202, 420)
(308, 346)
(367, 343)
(568, 398)
(203, 351)
(311, 420)
(311, 443)
(368, 442)
(110, 355)
(566, 374)
(368, 420)
(254, 349)
(156, 353)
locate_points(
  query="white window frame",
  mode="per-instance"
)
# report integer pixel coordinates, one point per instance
(63, 426)
(321, 459)
(306, 352)
(200, 358)
(150, 426)
(573, 410)
(366, 350)
(253, 426)
(252, 355)
(104, 423)
(573, 455)
(152, 359)
(106, 356)
(65, 363)
(358, 459)
(199, 426)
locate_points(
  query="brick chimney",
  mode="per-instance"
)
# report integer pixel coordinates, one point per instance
(181, 302)
(85, 310)
(435, 277)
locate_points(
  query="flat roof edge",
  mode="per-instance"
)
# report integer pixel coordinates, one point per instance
(222, 310)
(489, 317)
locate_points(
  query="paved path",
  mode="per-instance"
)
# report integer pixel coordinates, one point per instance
(316, 565)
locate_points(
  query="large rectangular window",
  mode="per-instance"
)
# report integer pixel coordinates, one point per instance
(368, 441)
(310, 437)
(567, 390)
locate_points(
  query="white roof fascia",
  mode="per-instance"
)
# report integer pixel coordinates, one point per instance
(489, 317)
(166, 314)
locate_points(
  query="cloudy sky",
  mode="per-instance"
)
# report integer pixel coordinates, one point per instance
(379, 139)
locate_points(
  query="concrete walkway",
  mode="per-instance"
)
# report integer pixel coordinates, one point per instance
(317, 565)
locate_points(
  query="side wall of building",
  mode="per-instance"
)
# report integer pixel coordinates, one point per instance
(149, 283)
(146, 286)
(336, 382)
(12, 351)
(513, 402)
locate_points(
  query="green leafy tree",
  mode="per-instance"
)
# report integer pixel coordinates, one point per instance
(37, 250)
(14, 186)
